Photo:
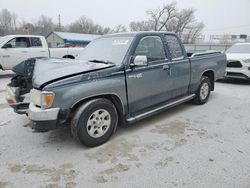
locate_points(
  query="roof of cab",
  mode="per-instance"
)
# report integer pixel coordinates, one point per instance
(23, 35)
(132, 34)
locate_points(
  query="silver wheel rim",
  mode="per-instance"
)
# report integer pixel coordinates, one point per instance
(98, 123)
(204, 91)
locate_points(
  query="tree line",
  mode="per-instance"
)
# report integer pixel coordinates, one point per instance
(167, 17)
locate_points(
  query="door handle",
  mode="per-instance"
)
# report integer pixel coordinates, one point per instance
(166, 67)
(43, 51)
(24, 51)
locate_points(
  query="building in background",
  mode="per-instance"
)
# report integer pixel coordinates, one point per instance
(65, 39)
(228, 38)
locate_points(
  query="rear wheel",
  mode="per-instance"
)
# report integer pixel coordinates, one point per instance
(94, 122)
(203, 91)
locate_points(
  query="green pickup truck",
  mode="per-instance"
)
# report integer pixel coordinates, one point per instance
(118, 79)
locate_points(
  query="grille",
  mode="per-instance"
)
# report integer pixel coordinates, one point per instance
(234, 64)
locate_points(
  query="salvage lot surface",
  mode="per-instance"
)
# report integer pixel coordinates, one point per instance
(187, 146)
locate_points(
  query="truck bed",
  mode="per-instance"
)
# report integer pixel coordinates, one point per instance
(213, 60)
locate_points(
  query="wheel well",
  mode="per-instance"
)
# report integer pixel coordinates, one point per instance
(1, 67)
(113, 98)
(69, 56)
(210, 75)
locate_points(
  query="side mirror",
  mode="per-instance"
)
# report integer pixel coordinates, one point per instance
(7, 46)
(140, 60)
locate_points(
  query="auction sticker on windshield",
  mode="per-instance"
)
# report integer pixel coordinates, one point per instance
(120, 42)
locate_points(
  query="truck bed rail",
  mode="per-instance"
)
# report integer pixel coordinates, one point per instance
(198, 54)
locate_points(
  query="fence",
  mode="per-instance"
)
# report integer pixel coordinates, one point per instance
(205, 47)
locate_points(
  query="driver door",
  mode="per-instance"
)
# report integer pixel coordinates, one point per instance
(150, 84)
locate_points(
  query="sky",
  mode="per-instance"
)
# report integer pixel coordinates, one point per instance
(219, 16)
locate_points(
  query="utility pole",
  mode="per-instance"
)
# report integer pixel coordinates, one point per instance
(59, 21)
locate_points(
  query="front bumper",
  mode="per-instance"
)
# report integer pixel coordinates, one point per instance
(13, 99)
(242, 73)
(43, 119)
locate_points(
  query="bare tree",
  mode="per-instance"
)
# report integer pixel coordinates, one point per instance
(85, 25)
(106, 30)
(44, 25)
(193, 32)
(7, 22)
(165, 18)
(170, 18)
(141, 26)
(161, 16)
(118, 29)
(27, 28)
(183, 19)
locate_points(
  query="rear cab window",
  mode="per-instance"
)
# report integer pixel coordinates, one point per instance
(174, 47)
(35, 42)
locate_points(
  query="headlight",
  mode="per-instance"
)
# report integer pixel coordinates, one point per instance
(35, 97)
(246, 60)
(44, 99)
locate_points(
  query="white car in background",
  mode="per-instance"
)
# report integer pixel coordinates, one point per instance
(238, 61)
(16, 48)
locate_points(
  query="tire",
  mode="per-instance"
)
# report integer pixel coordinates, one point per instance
(203, 91)
(94, 122)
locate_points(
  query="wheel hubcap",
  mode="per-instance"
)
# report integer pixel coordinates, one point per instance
(204, 91)
(98, 123)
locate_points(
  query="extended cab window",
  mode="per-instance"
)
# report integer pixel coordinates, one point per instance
(35, 42)
(174, 47)
(152, 47)
(19, 42)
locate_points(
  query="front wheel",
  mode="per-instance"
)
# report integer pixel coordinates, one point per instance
(94, 122)
(203, 91)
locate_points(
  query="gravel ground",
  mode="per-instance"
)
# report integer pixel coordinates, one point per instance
(186, 146)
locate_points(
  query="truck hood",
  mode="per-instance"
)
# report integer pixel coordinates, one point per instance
(237, 56)
(47, 70)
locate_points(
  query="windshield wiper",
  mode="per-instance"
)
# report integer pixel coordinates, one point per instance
(100, 61)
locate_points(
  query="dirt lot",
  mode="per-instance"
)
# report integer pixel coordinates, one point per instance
(187, 146)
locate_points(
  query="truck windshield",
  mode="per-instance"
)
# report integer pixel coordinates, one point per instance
(107, 49)
(242, 48)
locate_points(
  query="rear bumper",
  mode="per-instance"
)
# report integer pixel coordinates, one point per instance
(43, 119)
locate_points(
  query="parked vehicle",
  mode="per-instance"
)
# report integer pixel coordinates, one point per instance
(238, 61)
(120, 78)
(17, 48)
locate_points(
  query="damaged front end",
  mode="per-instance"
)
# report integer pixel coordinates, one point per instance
(39, 72)
(21, 84)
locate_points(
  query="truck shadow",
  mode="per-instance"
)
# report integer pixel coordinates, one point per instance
(234, 81)
(152, 120)
(62, 135)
